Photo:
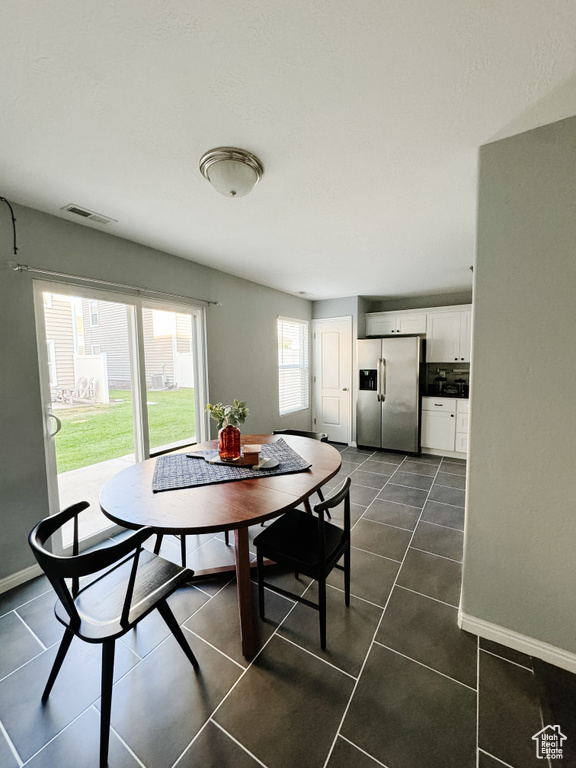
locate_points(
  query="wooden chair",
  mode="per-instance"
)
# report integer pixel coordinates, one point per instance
(128, 583)
(309, 545)
(322, 436)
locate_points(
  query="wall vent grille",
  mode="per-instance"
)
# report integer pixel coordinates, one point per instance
(97, 218)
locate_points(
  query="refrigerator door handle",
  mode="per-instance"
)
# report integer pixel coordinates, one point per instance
(383, 379)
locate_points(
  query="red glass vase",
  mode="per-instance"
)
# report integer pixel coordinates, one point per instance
(229, 442)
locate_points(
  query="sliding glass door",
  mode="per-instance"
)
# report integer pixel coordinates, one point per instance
(170, 340)
(122, 379)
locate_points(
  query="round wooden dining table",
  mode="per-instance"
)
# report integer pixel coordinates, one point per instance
(128, 499)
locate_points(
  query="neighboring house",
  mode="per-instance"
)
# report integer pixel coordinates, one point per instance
(61, 339)
(91, 327)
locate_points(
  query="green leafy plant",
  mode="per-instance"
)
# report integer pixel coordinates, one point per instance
(228, 414)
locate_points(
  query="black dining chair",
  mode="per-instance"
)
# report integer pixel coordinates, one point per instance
(322, 436)
(309, 545)
(127, 583)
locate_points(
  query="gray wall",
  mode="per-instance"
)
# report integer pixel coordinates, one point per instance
(241, 337)
(520, 540)
(420, 302)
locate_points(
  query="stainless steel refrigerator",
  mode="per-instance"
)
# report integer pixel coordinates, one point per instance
(389, 376)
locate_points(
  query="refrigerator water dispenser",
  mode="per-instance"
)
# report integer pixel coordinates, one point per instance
(368, 379)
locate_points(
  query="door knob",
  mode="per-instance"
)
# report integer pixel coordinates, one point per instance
(344, 389)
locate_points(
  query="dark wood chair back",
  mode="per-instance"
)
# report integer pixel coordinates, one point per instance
(322, 436)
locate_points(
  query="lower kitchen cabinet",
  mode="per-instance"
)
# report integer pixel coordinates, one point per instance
(444, 425)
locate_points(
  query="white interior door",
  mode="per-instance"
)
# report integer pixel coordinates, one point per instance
(333, 378)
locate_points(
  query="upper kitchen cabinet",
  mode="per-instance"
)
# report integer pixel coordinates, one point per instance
(388, 323)
(448, 336)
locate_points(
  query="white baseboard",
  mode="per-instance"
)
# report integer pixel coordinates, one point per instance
(511, 639)
(19, 578)
(445, 454)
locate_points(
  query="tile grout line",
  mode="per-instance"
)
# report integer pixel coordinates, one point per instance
(239, 743)
(196, 736)
(377, 628)
(435, 554)
(62, 730)
(429, 597)
(10, 744)
(315, 656)
(388, 648)
(26, 602)
(362, 750)
(241, 676)
(503, 658)
(494, 757)
(208, 643)
(126, 745)
(34, 635)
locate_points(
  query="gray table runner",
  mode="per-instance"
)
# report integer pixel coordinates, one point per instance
(180, 471)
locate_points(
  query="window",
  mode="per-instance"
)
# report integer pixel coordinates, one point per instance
(293, 376)
(96, 349)
(93, 313)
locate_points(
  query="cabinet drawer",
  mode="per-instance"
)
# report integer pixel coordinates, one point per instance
(462, 422)
(462, 442)
(446, 404)
(463, 406)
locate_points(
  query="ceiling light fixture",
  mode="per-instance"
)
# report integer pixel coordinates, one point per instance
(232, 172)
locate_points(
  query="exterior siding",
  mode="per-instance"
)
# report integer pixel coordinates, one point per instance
(111, 334)
(59, 321)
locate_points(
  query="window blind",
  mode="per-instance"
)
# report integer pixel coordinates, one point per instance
(293, 369)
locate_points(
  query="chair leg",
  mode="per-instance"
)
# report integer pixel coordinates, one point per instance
(347, 575)
(60, 656)
(106, 710)
(227, 538)
(322, 611)
(260, 568)
(174, 627)
(183, 550)
(159, 537)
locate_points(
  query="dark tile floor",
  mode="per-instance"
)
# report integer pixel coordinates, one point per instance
(399, 685)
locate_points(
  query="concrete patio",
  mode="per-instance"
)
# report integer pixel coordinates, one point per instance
(84, 484)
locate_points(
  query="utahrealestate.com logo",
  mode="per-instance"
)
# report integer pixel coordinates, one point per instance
(549, 743)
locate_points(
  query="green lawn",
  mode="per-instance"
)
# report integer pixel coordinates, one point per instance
(93, 433)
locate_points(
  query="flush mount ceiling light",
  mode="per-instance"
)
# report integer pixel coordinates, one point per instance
(232, 172)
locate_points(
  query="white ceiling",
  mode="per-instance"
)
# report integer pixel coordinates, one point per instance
(367, 117)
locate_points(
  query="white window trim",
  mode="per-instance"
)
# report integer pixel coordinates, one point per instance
(53, 373)
(300, 400)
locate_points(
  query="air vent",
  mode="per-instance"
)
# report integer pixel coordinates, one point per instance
(97, 218)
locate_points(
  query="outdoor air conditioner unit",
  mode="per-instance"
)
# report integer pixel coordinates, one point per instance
(157, 381)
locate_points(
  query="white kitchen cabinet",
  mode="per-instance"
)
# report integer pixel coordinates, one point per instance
(448, 336)
(461, 442)
(438, 430)
(444, 425)
(388, 323)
